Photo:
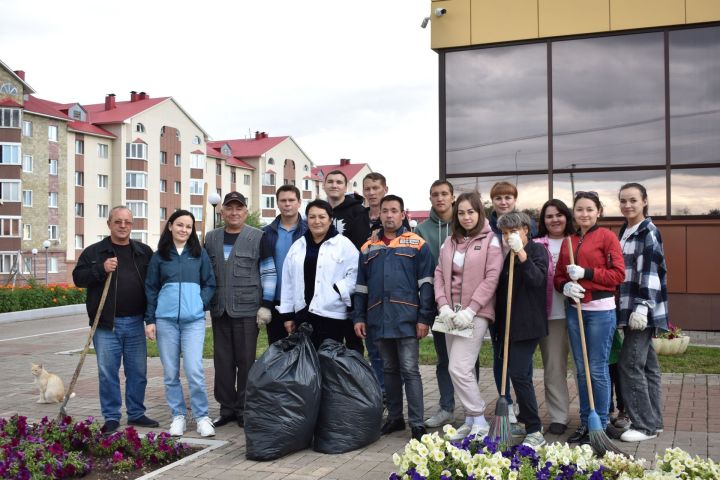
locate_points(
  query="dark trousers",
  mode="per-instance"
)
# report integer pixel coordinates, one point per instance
(497, 345)
(615, 388)
(324, 327)
(520, 368)
(276, 327)
(235, 341)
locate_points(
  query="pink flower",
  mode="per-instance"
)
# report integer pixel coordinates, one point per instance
(117, 456)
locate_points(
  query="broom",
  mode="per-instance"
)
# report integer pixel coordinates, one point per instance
(599, 441)
(500, 425)
(69, 392)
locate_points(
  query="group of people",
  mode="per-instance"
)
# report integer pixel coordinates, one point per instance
(361, 276)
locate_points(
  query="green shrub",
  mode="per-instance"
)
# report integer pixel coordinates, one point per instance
(33, 295)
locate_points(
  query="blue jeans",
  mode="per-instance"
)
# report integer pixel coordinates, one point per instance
(174, 338)
(400, 360)
(375, 358)
(124, 343)
(445, 385)
(599, 330)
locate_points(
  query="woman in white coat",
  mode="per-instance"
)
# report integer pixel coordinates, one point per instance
(318, 278)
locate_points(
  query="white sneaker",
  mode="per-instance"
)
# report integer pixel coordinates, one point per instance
(480, 430)
(205, 427)
(512, 418)
(534, 440)
(442, 417)
(177, 427)
(462, 432)
(635, 436)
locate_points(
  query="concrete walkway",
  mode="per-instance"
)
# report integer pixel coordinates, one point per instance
(691, 413)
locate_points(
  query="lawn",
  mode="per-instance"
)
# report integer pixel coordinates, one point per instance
(695, 360)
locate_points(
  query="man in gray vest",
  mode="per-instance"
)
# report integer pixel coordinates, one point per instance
(235, 252)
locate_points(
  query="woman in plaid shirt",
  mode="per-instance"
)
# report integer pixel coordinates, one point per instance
(642, 310)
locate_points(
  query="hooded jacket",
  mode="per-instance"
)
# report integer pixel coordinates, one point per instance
(434, 231)
(351, 219)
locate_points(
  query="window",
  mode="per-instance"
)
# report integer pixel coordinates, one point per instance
(79, 179)
(162, 131)
(27, 265)
(269, 179)
(136, 180)
(27, 198)
(138, 209)
(53, 266)
(197, 160)
(79, 242)
(136, 150)
(52, 199)
(196, 140)
(177, 187)
(79, 147)
(9, 89)
(79, 209)
(271, 161)
(306, 185)
(10, 117)
(53, 232)
(140, 128)
(177, 133)
(10, 191)
(102, 181)
(139, 235)
(27, 231)
(246, 179)
(196, 187)
(101, 237)
(163, 213)
(53, 133)
(163, 185)
(27, 128)
(102, 150)
(233, 175)
(103, 211)
(52, 166)
(10, 154)
(225, 150)
(268, 201)
(197, 213)
(219, 192)
(163, 158)
(306, 168)
(27, 163)
(218, 168)
(9, 227)
(178, 160)
(7, 261)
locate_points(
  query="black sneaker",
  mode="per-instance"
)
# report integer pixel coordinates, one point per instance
(110, 426)
(144, 422)
(393, 426)
(557, 428)
(613, 432)
(579, 434)
(417, 432)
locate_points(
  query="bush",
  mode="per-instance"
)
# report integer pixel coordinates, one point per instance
(33, 295)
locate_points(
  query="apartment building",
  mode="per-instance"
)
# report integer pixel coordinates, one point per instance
(355, 172)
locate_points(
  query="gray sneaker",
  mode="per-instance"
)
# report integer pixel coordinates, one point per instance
(442, 417)
(517, 430)
(534, 440)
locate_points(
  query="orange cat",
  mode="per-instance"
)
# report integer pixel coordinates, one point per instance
(52, 389)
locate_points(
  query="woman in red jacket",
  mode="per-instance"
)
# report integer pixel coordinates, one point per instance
(592, 281)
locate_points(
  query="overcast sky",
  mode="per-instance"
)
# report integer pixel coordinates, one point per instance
(346, 79)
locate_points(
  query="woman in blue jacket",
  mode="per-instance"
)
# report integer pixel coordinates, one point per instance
(179, 285)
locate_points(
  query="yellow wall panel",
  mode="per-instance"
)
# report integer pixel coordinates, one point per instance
(570, 17)
(625, 14)
(702, 10)
(453, 28)
(503, 20)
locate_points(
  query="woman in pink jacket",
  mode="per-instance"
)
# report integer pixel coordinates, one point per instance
(465, 281)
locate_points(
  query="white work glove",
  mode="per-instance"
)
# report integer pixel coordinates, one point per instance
(574, 291)
(576, 272)
(464, 319)
(638, 318)
(446, 316)
(515, 242)
(263, 316)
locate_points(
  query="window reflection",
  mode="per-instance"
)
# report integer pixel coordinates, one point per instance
(695, 191)
(609, 101)
(607, 185)
(496, 109)
(695, 95)
(532, 189)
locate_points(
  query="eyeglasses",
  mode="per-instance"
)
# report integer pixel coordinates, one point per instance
(587, 194)
(122, 222)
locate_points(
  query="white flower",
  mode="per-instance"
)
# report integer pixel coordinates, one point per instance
(396, 459)
(438, 455)
(423, 470)
(422, 450)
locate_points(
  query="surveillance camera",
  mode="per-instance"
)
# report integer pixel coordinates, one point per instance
(425, 22)
(439, 12)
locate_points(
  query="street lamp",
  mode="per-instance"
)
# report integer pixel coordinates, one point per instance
(214, 200)
(46, 246)
(34, 266)
(413, 224)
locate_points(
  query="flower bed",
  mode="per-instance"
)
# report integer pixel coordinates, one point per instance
(68, 450)
(33, 295)
(435, 458)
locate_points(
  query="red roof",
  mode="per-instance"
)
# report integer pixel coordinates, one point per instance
(418, 215)
(122, 110)
(89, 128)
(233, 162)
(7, 102)
(248, 148)
(198, 152)
(350, 169)
(44, 107)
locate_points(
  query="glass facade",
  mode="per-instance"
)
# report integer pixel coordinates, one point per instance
(589, 113)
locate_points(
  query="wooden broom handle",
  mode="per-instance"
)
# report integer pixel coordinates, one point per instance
(506, 345)
(591, 398)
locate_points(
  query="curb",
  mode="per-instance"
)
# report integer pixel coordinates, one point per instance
(39, 313)
(210, 445)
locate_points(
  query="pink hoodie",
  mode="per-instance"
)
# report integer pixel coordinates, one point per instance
(481, 272)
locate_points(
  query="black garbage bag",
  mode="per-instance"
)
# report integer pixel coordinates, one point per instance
(351, 406)
(282, 398)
